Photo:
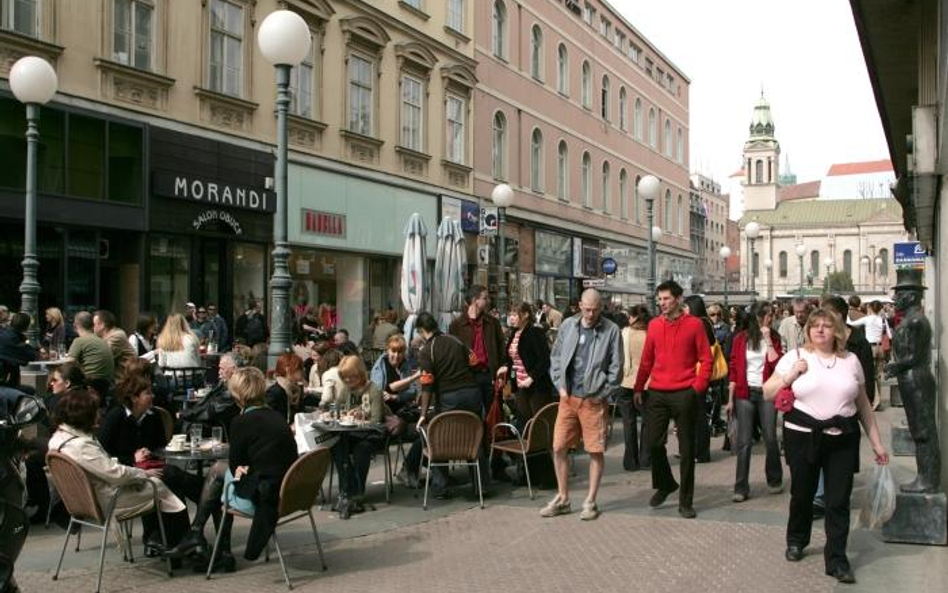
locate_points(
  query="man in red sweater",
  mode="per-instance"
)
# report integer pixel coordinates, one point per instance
(676, 342)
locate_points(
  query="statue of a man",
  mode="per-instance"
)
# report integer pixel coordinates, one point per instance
(911, 365)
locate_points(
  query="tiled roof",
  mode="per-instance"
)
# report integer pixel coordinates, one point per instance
(827, 213)
(738, 173)
(810, 189)
(880, 166)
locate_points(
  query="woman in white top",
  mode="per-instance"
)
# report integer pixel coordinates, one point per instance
(821, 432)
(143, 338)
(876, 328)
(178, 347)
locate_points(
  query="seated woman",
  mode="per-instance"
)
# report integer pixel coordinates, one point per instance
(363, 402)
(54, 337)
(76, 415)
(178, 346)
(322, 361)
(392, 374)
(286, 394)
(333, 389)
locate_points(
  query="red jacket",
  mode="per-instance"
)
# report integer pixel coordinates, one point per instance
(737, 368)
(672, 351)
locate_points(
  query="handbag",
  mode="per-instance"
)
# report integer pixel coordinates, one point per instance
(785, 397)
(719, 363)
(495, 415)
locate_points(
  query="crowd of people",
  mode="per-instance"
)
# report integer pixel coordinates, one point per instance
(693, 371)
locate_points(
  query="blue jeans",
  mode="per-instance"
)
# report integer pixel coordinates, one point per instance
(747, 410)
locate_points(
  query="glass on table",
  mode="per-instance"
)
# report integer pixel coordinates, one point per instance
(217, 436)
(61, 350)
(196, 433)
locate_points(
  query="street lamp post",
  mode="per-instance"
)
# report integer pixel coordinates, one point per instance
(768, 265)
(828, 262)
(752, 230)
(284, 40)
(801, 250)
(502, 196)
(33, 82)
(649, 186)
(725, 253)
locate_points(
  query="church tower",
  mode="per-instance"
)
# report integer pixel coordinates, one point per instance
(761, 160)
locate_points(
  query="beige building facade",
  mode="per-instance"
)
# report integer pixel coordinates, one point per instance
(714, 210)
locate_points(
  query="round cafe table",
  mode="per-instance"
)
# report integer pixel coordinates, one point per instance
(199, 457)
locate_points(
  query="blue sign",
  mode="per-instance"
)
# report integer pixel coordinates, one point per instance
(609, 266)
(470, 216)
(910, 254)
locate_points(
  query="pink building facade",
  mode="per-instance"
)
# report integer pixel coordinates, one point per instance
(572, 107)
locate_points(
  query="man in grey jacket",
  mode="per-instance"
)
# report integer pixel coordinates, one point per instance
(586, 366)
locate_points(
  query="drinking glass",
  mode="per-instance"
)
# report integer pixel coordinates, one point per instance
(61, 350)
(197, 432)
(217, 435)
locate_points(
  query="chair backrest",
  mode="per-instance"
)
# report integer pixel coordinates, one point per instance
(455, 436)
(540, 437)
(74, 487)
(302, 481)
(166, 420)
(183, 378)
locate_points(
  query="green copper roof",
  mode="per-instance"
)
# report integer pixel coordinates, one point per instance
(824, 213)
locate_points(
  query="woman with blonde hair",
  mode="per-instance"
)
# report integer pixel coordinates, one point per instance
(55, 334)
(821, 432)
(178, 347)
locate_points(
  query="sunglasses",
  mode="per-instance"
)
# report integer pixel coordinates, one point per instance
(714, 314)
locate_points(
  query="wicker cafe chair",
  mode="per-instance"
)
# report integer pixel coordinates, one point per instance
(297, 496)
(78, 496)
(537, 438)
(453, 437)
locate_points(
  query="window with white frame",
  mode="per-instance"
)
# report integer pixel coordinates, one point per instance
(667, 213)
(499, 147)
(679, 219)
(536, 160)
(634, 53)
(587, 85)
(132, 32)
(226, 60)
(680, 147)
(455, 129)
(589, 14)
(22, 16)
(668, 138)
(637, 119)
(605, 28)
(606, 182)
(456, 15)
(303, 86)
(536, 52)
(586, 181)
(361, 73)
(623, 195)
(604, 107)
(412, 113)
(499, 38)
(652, 128)
(562, 68)
(637, 202)
(562, 171)
(623, 110)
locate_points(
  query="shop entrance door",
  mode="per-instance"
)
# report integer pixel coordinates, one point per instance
(212, 273)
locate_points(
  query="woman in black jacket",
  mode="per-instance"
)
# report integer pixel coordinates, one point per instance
(694, 305)
(527, 357)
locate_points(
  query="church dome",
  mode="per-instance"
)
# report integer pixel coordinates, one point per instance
(762, 123)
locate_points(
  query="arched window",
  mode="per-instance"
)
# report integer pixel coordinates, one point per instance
(624, 195)
(848, 262)
(500, 29)
(586, 181)
(604, 107)
(667, 213)
(759, 172)
(562, 171)
(679, 219)
(536, 160)
(668, 138)
(680, 148)
(636, 202)
(782, 263)
(562, 69)
(883, 270)
(587, 85)
(499, 148)
(606, 181)
(536, 53)
(623, 110)
(637, 119)
(815, 263)
(652, 128)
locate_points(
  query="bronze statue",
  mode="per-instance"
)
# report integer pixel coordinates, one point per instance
(911, 365)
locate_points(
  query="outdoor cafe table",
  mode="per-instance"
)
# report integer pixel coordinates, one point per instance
(199, 456)
(342, 430)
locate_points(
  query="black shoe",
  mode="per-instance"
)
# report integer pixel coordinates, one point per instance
(659, 497)
(843, 574)
(687, 512)
(193, 542)
(225, 562)
(794, 553)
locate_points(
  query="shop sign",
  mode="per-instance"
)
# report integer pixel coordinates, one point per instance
(489, 221)
(910, 254)
(211, 216)
(594, 282)
(212, 192)
(327, 224)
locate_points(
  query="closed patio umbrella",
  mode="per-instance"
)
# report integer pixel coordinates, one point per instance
(447, 292)
(414, 260)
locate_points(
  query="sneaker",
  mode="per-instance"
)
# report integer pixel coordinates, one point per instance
(590, 511)
(556, 507)
(775, 489)
(739, 497)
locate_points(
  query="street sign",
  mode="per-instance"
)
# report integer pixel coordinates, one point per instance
(489, 222)
(609, 266)
(910, 254)
(594, 282)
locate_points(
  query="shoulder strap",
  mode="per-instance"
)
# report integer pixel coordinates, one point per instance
(63, 444)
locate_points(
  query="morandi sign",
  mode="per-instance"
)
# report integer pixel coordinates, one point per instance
(212, 192)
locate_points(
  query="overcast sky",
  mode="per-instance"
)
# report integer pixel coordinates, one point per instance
(804, 53)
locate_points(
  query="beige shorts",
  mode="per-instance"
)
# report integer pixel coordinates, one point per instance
(580, 417)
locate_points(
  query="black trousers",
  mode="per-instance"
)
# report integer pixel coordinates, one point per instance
(679, 406)
(352, 456)
(636, 442)
(838, 458)
(702, 428)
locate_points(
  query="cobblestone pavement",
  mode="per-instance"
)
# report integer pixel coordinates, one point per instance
(454, 546)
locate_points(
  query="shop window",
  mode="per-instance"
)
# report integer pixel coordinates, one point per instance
(249, 275)
(86, 157)
(169, 262)
(82, 256)
(125, 164)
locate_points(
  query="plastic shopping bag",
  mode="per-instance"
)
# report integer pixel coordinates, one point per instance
(879, 505)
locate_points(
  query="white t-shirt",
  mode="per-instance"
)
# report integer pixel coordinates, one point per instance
(828, 388)
(755, 363)
(874, 327)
